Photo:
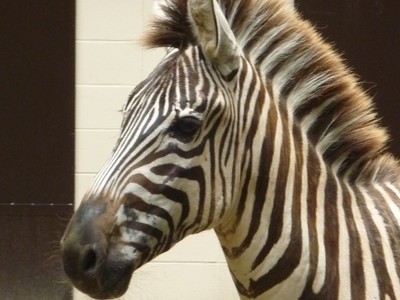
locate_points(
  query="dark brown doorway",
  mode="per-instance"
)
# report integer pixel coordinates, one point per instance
(367, 33)
(36, 145)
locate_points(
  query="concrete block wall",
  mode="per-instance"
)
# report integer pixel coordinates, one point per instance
(109, 64)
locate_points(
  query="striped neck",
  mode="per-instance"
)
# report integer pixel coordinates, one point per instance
(272, 196)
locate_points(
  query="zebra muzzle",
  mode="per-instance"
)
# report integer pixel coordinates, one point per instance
(91, 263)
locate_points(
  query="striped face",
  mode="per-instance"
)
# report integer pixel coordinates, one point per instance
(157, 177)
(165, 178)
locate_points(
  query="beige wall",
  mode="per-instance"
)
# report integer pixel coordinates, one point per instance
(109, 64)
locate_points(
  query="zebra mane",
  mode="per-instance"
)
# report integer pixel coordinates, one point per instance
(346, 130)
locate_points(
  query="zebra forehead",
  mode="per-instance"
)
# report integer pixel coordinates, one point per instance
(173, 62)
(181, 83)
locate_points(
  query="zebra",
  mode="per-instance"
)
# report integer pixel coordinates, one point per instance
(252, 126)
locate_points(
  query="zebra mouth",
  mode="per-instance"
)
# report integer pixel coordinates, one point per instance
(99, 274)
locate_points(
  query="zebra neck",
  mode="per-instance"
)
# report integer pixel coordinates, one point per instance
(267, 217)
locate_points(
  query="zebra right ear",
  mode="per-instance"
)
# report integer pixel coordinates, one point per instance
(215, 36)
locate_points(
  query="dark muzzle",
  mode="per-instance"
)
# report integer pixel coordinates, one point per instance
(88, 257)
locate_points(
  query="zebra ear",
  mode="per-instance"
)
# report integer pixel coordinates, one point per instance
(215, 36)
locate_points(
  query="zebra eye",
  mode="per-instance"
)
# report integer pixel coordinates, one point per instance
(185, 127)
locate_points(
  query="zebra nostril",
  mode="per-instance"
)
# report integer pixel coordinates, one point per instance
(90, 260)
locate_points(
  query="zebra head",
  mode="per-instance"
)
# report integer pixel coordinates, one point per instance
(174, 168)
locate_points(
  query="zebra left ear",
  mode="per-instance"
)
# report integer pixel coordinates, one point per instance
(215, 35)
